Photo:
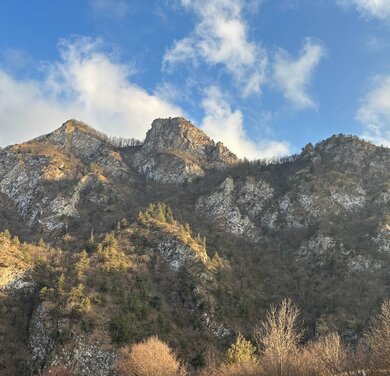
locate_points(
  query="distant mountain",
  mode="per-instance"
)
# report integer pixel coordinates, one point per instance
(183, 240)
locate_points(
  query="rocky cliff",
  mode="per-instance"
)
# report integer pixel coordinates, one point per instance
(175, 151)
(227, 238)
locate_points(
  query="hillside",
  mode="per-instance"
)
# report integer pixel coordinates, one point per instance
(119, 240)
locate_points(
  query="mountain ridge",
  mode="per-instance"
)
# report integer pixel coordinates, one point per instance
(177, 237)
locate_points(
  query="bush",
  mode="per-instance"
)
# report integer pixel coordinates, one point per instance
(151, 357)
(121, 328)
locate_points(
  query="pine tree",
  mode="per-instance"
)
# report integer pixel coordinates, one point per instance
(82, 264)
(240, 351)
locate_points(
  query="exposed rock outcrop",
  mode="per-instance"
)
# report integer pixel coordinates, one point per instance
(175, 151)
(40, 339)
(222, 206)
(86, 359)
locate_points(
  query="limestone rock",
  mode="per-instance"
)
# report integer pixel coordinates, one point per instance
(176, 151)
(86, 359)
(176, 254)
(222, 206)
(40, 340)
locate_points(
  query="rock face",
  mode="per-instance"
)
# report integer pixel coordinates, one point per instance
(314, 226)
(77, 139)
(40, 340)
(175, 151)
(176, 254)
(223, 206)
(86, 359)
(46, 177)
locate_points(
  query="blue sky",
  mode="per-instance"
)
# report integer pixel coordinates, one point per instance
(263, 76)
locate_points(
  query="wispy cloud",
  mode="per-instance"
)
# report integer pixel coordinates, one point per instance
(293, 76)
(379, 9)
(221, 37)
(374, 111)
(226, 125)
(110, 8)
(14, 59)
(376, 44)
(86, 83)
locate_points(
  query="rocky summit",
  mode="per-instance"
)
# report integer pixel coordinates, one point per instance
(105, 242)
(175, 151)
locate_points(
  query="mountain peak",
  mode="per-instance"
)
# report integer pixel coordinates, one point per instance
(180, 151)
(346, 149)
(73, 125)
(176, 133)
(77, 138)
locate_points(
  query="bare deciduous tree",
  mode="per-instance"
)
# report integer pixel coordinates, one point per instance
(278, 337)
(326, 356)
(378, 339)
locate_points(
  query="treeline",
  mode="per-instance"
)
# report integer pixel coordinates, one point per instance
(121, 142)
(277, 350)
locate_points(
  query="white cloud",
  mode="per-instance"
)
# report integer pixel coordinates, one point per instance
(293, 76)
(223, 124)
(110, 8)
(87, 84)
(370, 8)
(221, 37)
(374, 112)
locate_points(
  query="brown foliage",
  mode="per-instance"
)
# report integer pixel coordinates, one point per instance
(151, 357)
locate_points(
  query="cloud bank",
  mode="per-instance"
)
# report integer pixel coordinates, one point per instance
(87, 84)
(223, 124)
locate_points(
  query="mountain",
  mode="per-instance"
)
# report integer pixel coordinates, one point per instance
(110, 241)
(175, 151)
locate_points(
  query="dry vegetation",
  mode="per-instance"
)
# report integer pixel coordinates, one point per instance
(151, 357)
(280, 350)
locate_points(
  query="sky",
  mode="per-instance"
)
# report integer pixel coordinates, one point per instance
(265, 77)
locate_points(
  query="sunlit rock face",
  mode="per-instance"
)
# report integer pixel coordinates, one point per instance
(78, 139)
(222, 205)
(46, 177)
(176, 151)
(60, 178)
